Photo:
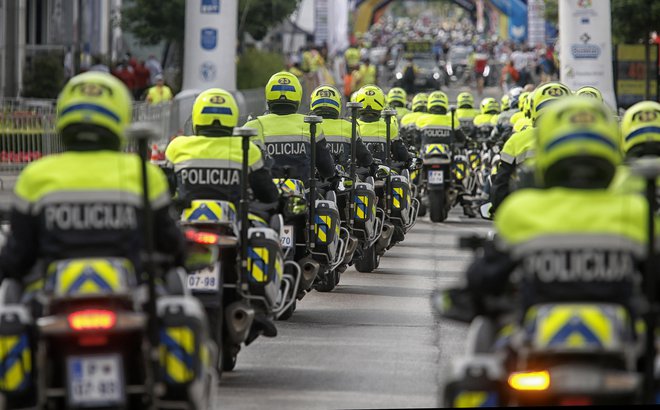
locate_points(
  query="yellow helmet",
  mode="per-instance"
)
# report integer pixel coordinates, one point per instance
(589, 91)
(544, 95)
(521, 99)
(419, 102)
(489, 106)
(98, 100)
(640, 126)
(215, 108)
(465, 100)
(438, 101)
(504, 102)
(577, 140)
(284, 88)
(397, 94)
(371, 97)
(325, 97)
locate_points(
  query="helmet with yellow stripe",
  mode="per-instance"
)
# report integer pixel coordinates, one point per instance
(372, 98)
(589, 91)
(284, 88)
(505, 102)
(214, 113)
(521, 100)
(640, 129)
(465, 100)
(397, 97)
(489, 106)
(438, 103)
(93, 110)
(326, 101)
(419, 102)
(545, 95)
(578, 144)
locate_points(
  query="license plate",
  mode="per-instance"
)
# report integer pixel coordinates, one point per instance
(95, 380)
(286, 238)
(436, 177)
(205, 280)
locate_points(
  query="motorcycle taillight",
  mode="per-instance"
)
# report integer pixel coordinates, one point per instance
(576, 401)
(92, 319)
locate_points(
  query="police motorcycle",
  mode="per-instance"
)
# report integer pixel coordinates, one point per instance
(237, 268)
(102, 339)
(396, 192)
(313, 231)
(444, 174)
(558, 353)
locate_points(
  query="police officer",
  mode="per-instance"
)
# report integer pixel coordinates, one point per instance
(397, 99)
(640, 133)
(208, 165)
(489, 108)
(502, 122)
(434, 127)
(372, 127)
(522, 98)
(541, 230)
(326, 103)
(87, 201)
(284, 135)
(408, 121)
(519, 149)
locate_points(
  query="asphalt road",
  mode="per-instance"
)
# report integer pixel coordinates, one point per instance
(371, 343)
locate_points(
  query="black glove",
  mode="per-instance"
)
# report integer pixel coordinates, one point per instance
(373, 169)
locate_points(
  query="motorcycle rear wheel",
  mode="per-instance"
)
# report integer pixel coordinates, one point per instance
(437, 206)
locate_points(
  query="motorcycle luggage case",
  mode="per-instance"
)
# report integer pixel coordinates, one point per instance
(365, 207)
(183, 352)
(15, 350)
(401, 197)
(326, 228)
(265, 264)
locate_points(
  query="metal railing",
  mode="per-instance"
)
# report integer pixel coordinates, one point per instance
(27, 126)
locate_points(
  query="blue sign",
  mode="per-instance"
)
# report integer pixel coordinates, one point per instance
(209, 38)
(210, 7)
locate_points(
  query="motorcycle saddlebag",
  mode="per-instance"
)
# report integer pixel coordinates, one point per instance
(183, 351)
(401, 197)
(15, 350)
(265, 264)
(326, 229)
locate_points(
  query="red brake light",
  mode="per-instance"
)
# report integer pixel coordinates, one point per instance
(576, 401)
(203, 238)
(92, 319)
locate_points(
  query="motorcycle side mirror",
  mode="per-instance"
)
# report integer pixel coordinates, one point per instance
(484, 210)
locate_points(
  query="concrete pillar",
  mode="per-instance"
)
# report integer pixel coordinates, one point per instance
(14, 46)
(210, 44)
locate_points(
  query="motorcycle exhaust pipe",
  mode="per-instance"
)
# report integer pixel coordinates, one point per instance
(386, 236)
(239, 317)
(351, 246)
(310, 269)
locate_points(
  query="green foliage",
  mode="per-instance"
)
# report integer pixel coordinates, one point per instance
(44, 76)
(261, 15)
(632, 20)
(255, 67)
(153, 21)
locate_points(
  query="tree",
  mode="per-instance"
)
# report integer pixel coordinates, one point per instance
(153, 21)
(632, 20)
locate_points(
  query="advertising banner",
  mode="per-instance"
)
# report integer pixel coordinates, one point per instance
(636, 73)
(209, 58)
(585, 46)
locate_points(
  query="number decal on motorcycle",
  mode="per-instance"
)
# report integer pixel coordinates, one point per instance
(286, 238)
(436, 177)
(205, 280)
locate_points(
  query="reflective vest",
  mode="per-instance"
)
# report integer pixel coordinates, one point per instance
(286, 139)
(401, 112)
(367, 75)
(158, 95)
(338, 137)
(409, 120)
(434, 128)
(374, 136)
(210, 167)
(519, 148)
(88, 203)
(573, 243)
(352, 56)
(517, 116)
(522, 124)
(466, 116)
